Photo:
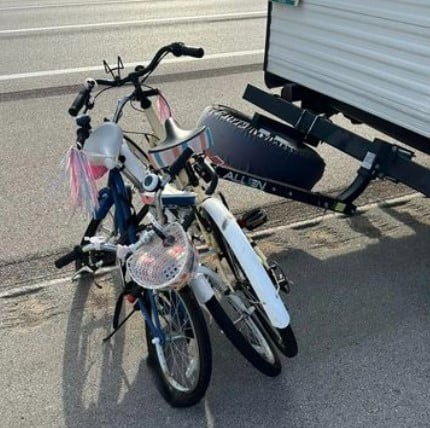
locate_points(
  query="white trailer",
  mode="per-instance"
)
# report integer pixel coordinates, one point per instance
(369, 58)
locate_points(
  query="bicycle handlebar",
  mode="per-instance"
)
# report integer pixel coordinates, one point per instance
(83, 97)
(178, 49)
(80, 100)
(68, 258)
(79, 251)
(208, 174)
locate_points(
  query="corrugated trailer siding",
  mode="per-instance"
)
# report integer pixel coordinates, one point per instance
(371, 54)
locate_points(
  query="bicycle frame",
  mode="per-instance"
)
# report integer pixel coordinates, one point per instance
(267, 294)
(115, 194)
(255, 262)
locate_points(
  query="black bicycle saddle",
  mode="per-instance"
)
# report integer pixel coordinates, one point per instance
(175, 135)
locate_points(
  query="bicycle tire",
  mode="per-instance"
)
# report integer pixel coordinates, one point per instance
(169, 387)
(239, 341)
(283, 338)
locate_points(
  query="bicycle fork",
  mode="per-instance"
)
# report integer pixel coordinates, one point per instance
(157, 334)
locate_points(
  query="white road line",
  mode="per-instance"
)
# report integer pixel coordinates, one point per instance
(48, 73)
(158, 21)
(48, 283)
(33, 287)
(66, 4)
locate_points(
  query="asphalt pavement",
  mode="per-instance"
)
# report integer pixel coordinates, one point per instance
(42, 69)
(360, 306)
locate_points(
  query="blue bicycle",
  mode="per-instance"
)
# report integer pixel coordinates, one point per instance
(177, 336)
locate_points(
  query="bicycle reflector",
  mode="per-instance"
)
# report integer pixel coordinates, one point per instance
(159, 265)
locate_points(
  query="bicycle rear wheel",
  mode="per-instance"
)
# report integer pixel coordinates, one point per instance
(183, 363)
(283, 338)
(245, 334)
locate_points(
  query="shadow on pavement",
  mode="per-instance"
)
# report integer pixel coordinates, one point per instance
(363, 326)
(109, 384)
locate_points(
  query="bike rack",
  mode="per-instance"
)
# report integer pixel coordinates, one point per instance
(285, 190)
(379, 159)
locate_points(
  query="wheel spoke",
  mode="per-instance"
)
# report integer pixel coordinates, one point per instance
(181, 357)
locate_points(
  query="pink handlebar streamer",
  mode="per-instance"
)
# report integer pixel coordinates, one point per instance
(81, 177)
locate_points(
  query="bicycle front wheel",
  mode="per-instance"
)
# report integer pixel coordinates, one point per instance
(183, 360)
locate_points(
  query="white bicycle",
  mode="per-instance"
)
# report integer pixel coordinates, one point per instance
(235, 272)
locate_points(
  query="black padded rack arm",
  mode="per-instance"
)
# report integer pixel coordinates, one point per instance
(285, 190)
(380, 158)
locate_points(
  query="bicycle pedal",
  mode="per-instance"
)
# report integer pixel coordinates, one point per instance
(252, 219)
(280, 278)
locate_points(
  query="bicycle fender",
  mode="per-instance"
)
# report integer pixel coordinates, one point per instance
(250, 262)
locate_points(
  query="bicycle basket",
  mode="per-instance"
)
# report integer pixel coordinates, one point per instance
(156, 266)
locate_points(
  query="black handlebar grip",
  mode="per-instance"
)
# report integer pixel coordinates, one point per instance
(194, 52)
(179, 163)
(179, 49)
(79, 101)
(68, 258)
